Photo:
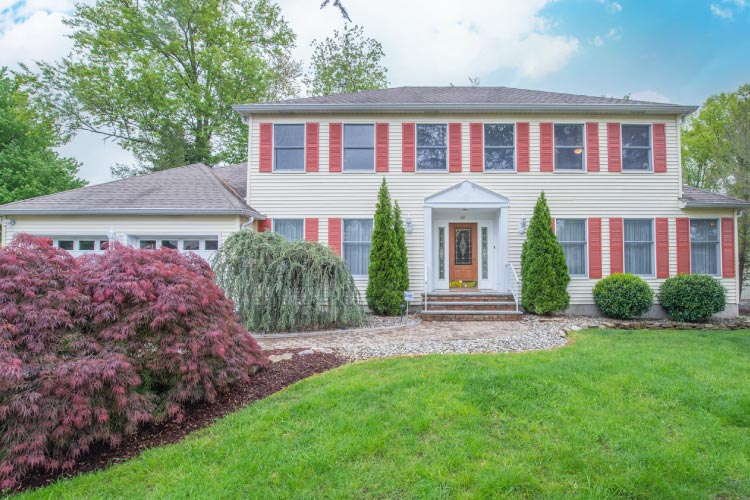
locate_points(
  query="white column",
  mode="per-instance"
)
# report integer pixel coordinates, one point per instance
(428, 257)
(502, 248)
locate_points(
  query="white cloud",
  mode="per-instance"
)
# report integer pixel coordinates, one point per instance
(612, 6)
(436, 42)
(598, 41)
(40, 36)
(650, 95)
(728, 8)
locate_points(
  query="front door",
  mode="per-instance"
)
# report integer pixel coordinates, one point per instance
(463, 254)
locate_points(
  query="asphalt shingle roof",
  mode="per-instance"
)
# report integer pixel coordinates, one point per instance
(700, 198)
(194, 189)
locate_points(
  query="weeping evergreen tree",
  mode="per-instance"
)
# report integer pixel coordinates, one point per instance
(544, 271)
(403, 259)
(384, 294)
(279, 285)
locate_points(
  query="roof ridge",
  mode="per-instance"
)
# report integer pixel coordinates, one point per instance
(230, 194)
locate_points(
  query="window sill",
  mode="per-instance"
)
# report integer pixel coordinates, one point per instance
(435, 171)
(576, 172)
(291, 172)
(636, 172)
(358, 171)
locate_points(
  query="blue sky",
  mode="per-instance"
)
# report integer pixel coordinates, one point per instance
(664, 50)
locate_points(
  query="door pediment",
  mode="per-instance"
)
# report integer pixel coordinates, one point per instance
(466, 194)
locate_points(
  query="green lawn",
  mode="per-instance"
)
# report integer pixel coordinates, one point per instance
(615, 415)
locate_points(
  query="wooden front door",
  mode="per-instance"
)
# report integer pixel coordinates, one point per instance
(463, 252)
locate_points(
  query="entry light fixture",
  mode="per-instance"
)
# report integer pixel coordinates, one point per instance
(409, 225)
(111, 236)
(522, 225)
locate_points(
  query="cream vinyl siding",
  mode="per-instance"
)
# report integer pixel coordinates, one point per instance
(570, 194)
(124, 226)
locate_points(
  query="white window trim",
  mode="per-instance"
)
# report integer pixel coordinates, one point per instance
(76, 239)
(304, 225)
(374, 148)
(651, 148)
(585, 166)
(719, 267)
(447, 150)
(515, 149)
(180, 241)
(586, 253)
(653, 246)
(344, 219)
(304, 150)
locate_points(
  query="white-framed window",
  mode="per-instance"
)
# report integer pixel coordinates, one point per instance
(198, 244)
(705, 247)
(572, 235)
(636, 148)
(499, 147)
(569, 146)
(359, 147)
(289, 147)
(291, 229)
(432, 147)
(357, 241)
(639, 246)
(78, 245)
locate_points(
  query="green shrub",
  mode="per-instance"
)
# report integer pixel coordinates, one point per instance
(692, 297)
(544, 271)
(623, 296)
(279, 285)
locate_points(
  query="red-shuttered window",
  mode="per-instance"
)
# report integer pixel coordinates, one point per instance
(706, 249)
(636, 148)
(571, 233)
(499, 147)
(289, 147)
(523, 156)
(335, 146)
(615, 245)
(359, 147)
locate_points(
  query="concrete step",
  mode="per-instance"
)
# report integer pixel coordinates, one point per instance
(468, 315)
(469, 297)
(473, 305)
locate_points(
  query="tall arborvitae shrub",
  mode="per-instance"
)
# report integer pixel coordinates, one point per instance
(544, 272)
(279, 285)
(91, 348)
(383, 288)
(403, 259)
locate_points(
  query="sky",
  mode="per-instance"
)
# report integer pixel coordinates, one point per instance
(679, 51)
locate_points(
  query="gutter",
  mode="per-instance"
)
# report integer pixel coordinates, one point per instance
(533, 108)
(131, 211)
(697, 204)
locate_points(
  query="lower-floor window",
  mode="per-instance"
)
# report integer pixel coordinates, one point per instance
(190, 244)
(357, 240)
(571, 233)
(81, 244)
(639, 246)
(704, 246)
(291, 229)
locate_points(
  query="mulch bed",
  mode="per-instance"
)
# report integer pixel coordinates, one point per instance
(264, 383)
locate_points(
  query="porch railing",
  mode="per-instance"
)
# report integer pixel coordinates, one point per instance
(514, 284)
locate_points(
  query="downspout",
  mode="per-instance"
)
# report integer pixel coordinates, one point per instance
(248, 223)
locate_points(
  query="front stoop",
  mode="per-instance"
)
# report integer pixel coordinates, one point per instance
(473, 305)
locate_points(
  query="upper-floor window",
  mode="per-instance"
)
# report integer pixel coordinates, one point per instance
(432, 147)
(571, 233)
(569, 146)
(359, 147)
(499, 146)
(291, 229)
(639, 246)
(357, 241)
(704, 246)
(636, 147)
(289, 147)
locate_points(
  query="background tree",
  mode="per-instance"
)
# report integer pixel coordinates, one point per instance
(160, 76)
(28, 164)
(402, 254)
(346, 62)
(716, 155)
(383, 288)
(544, 271)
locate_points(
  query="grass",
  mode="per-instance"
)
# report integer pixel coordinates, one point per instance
(637, 414)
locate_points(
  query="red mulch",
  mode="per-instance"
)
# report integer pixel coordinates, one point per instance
(264, 383)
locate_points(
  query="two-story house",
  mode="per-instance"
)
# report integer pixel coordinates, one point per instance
(466, 166)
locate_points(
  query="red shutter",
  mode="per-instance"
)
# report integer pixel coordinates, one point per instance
(615, 245)
(311, 229)
(334, 147)
(264, 225)
(266, 147)
(334, 234)
(454, 146)
(408, 152)
(592, 147)
(683, 245)
(614, 155)
(660, 148)
(312, 146)
(553, 226)
(522, 147)
(595, 247)
(546, 148)
(476, 146)
(662, 248)
(727, 247)
(381, 147)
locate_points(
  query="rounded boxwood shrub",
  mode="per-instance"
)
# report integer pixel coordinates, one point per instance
(623, 296)
(692, 297)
